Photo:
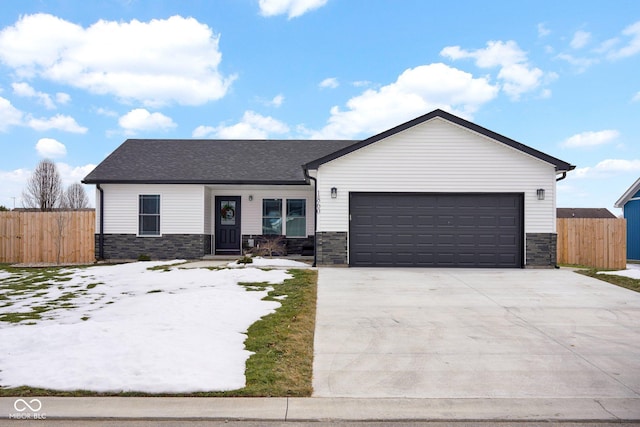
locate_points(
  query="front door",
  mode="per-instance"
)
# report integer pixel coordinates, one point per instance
(227, 213)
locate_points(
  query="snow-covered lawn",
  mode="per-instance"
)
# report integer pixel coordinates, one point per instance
(133, 329)
(632, 271)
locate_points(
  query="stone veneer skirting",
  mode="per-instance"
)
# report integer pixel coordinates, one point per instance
(541, 250)
(168, 246)
(294, 245)
(331, 248)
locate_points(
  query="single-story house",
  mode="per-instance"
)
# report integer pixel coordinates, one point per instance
(629, 202)
(584, 213)
(437, 191)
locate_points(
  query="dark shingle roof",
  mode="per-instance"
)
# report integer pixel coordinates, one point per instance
(584, 213)
(197, 161)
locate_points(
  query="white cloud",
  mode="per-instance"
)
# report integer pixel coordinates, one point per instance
(63, 98)
(141, 120)
(13, 182)
(203, 131)
(330, 82)
(517, 74)
(591, 139)
(124, 59)
(580, 39)
(607, 168)
(24, 89)
(293, 8)
(277, 100)
(631, 48)
(50, 148)
(416, 91)
(636, 97)
(57, 122)
(581, 63)
(252, 126)
(106, 112)
(543, 30)
(361, 83)
(9, 115)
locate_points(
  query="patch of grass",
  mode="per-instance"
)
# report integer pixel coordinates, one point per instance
(622, 281)
(155, 291)
(282, 343)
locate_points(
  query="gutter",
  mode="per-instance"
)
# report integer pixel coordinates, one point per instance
(564, 175)
(101, 235)
(315, 215)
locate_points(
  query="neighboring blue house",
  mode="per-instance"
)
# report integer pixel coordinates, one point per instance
(630, 204)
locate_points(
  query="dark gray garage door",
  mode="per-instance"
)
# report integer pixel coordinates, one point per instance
(436, 229)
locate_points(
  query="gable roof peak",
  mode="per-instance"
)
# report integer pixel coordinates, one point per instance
(628, 195)
(561, 166)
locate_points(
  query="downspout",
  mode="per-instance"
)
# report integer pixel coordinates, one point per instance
(101, 235)
(315, 216)
(564, 175)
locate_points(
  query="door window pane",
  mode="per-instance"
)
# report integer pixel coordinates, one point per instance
(271, 216)
(296, 218)
(228, 212)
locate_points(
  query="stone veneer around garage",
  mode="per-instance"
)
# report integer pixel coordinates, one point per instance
(168, 246)
(541, 250)
(331, 248)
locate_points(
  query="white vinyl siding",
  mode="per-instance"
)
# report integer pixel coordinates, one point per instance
(181, 208)
(437, 156)
(251, 214)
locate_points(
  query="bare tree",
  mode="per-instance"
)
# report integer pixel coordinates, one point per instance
(75, 197)
(44, 188)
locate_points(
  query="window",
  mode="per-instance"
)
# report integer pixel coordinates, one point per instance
(272, 216)
(149, 215)
(296, 218)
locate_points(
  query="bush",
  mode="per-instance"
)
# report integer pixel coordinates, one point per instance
(144, 257)
(270, 246)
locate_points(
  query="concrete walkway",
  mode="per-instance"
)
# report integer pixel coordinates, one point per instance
(475, 334)
(321, 409)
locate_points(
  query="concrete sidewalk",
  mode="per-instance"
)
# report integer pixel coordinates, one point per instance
(321, 409)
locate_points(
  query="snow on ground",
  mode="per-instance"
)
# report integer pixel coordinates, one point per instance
(633, 271)
(270, 262)
(138, 330)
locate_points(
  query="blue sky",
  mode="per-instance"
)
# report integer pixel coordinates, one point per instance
(77, 78)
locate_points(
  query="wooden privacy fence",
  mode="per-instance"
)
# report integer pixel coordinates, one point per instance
(593, 242)
(64, 237)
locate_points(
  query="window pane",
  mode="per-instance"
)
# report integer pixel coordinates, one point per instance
(271, 226)
(149, 215)
(296, 221)
(272, 216)
(296, 227)
(228, 212)
(272, 207)
(296, 207)
(150, 225)
(150, 204)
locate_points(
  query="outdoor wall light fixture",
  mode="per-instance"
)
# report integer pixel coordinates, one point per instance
(250, 197)
(540, 193)
(334, 192)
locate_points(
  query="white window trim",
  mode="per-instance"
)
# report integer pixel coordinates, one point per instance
(138, 217)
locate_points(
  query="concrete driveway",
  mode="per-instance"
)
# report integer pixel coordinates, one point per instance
(445, 333)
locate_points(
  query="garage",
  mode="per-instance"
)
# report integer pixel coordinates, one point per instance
(436, 230)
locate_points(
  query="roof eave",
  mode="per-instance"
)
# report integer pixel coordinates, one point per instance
(201, 182)
(635, 187)
(560, 165)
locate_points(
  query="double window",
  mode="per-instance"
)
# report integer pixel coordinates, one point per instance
(149, 215)
(295, 222)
